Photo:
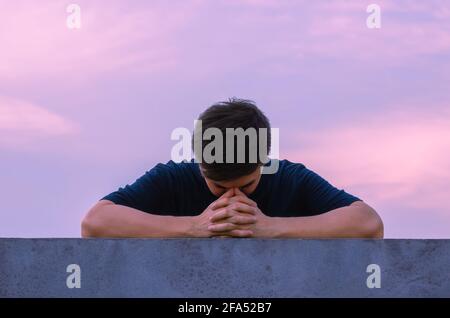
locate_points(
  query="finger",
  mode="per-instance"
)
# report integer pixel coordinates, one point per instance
(238, 192)
(221, 227)
(228, 194)
(221, 214)
(220, 203)
(242, 207)
(232, 216)
(241, 233)
(243, 199)
(222, 200)
(242, 220)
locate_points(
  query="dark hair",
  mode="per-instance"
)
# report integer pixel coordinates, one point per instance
(234, 113)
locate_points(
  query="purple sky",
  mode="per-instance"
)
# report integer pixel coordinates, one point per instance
(85, 111)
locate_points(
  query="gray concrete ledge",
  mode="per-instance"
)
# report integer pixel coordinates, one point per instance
(223, 268)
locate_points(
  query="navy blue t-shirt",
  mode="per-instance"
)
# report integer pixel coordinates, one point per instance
(179, 189)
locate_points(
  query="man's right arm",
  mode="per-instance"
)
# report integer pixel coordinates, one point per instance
(107, 219)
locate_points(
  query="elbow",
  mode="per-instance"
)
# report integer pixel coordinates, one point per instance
(87, 228)
(368, 223)
(373, 227)
(91, 225)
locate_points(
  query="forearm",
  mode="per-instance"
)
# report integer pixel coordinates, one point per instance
(107, 219)
(355, 221)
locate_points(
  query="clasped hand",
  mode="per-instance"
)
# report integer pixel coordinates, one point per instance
(232, 215)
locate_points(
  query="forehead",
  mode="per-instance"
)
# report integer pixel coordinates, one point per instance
(237, 183)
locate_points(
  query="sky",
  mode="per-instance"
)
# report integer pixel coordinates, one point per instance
(86, 110)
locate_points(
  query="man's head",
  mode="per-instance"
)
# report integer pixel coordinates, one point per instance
(234, 115)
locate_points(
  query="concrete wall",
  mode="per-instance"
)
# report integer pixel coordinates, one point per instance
(224, 268)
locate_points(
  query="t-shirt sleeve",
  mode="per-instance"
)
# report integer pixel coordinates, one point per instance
(149, 193)
(321, 196)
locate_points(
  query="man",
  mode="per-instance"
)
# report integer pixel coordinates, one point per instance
(232, 199)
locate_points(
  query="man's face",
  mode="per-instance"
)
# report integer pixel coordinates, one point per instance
(246, 184)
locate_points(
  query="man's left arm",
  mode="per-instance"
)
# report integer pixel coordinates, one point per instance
(358, 220)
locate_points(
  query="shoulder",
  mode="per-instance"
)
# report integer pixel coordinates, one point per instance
(293, 172)
(287, 168)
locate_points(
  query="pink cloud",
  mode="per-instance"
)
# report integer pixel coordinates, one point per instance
(22, 122)
(342, 32)
(35, 40)
(399, 158)
(160, 36)
(299, 31)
